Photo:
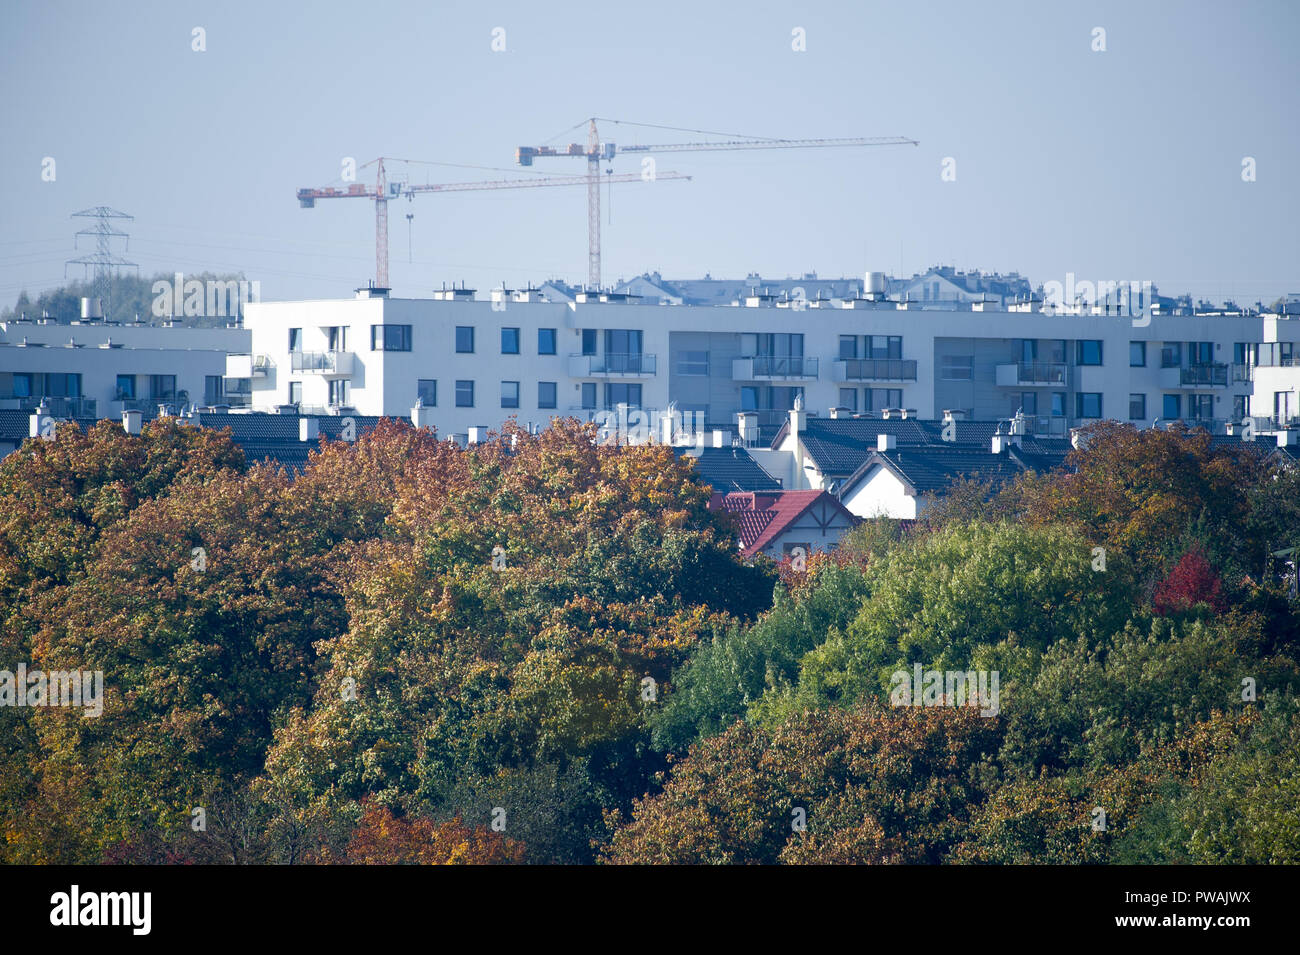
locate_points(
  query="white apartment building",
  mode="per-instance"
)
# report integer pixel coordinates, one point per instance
(97, 369)
(478, 362)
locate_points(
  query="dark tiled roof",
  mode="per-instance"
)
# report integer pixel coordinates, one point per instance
(932, 469)
(730, 469)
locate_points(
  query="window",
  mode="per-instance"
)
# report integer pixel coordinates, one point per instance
(339, 393)
(546, 342)
(213, 391)
(509, 394)
(1137, 354)
(295, 392)
(427, 392)
(849, 398)
(337, 337)
(390, 337)
(588, 396)
(1087, 352)
(1058, 404)
(589, 341)
(621, 393)
(125, 387)
(295, 339)
(1028, 348)
(163, 386)
(1240, 407)
(464, 339)
(848, 347)
(1172, 407)
(957, 367)
(1200, 353)
(1137, 407)
(1028, 403)
(510, 341)
(1171, 356)
(1200, 407)
(693, 363)
(24, 384)
(546, 394)
(1088, 404)
(886, 346)
(1243, 353)
(464, 394)
(879, 399)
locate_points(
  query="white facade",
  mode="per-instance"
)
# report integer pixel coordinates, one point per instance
(97, 369)
(1061, 370)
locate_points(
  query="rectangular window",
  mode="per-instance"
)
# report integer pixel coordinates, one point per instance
(339, 393)
(295, 392)
(24, 384)
(1087, 352)
(509, 394)
(546, 341)
(878, 399)
(510, 341)
(749, 398)
(1172, 406)
(1243, 353)
(1137, 407)
(1028, 349)
(849, 398)
(957, 367)
(59, 385)
(1200, 407)
(693, 363)
(1171, 356)
(619, 393)
(390, 337)
(1058, 404)
(464, 339)
(1240, 407)
(1200, 353)
(125, 387)
(546, 394)
(464, 394)
(337, 336)
(588, 396)
(295, 339)
(162, 387)
(589, 341)
(213, 391)
(427, 392)
(886, 346)
(1088, 404)
(1137, 354)
(848, 347)
(1028, 403)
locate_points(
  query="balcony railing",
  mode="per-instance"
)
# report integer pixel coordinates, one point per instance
(875, 369)
(328, 363)
(1268, 360)
(1041, 372)
(1209, 374)
(613, 365)
(1243, 372)
(59, 407)
(753, 368)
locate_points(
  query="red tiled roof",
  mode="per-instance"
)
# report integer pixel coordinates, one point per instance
(762, 516)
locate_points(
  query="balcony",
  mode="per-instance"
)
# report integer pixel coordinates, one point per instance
(1195, 376)
(247, 366)
(1211, 375)
(330, 364)
(1243, 372)
(874, 369)
(59, 407)
(613, 365)
(1032, 374)
(774, 368)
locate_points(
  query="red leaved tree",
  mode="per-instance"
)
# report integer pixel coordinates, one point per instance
(1193, 581)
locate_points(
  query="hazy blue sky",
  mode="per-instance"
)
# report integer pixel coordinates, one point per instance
(1124, 164)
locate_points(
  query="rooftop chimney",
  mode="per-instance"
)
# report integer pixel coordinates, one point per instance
(886, 442)
(477, 434)
(131, 421)
(308, 428)
(421, 416)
